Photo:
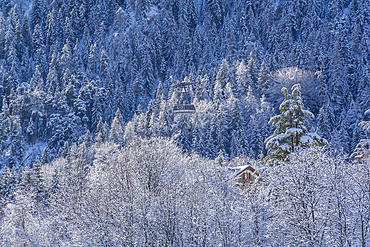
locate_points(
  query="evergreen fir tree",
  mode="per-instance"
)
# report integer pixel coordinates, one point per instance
(291, 134)
(4, 123)
(92, 61)
(54, 184)
(105, 73)
(184, 136)
(357, 135)
(251, 74)
(45, 158)
(220, 159)
(105, 132)
(97, 111)
(39, 48)
(241, 80)
(65, 60)
(217, 133)
(7, 183)
(26, 178)
(324, 122)
(52, 79)
(165, 120)
(78, 67)
(148, 117)
(64, 151)
(2, 36)
(116, 132)
(197, 142)
(88, 139)
(10, 42)
(37, 13)
(223, 74)
(364, 88)
(51, 30)
(69, 31)
(147, 70)
(263, 80)
(16, 143)
(250, 102)
(239, 143)
(338, 82)
(38, 181)
(256, 141)
(345, 139)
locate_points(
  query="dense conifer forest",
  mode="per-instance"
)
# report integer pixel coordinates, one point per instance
(92, 153)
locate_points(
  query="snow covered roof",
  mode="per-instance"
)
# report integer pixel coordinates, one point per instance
(240, 169)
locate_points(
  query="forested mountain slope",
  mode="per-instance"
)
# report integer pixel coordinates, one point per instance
(92, 154)
(67, 66)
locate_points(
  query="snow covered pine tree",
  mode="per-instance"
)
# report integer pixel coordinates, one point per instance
(291, 133)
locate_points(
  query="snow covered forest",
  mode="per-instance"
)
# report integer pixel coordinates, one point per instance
(92, 154)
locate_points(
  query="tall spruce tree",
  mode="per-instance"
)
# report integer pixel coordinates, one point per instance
(116, 132)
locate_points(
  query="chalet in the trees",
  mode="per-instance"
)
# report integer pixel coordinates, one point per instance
(243, 175)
